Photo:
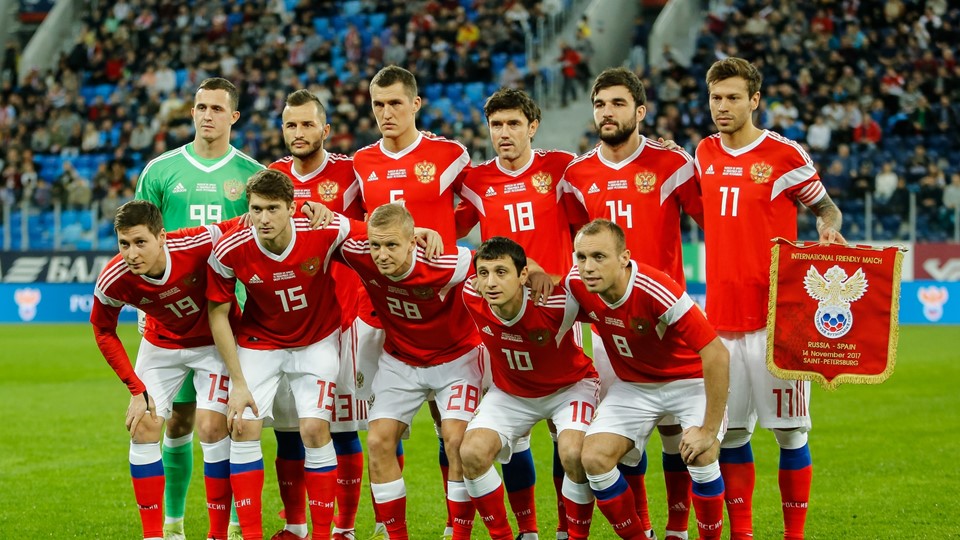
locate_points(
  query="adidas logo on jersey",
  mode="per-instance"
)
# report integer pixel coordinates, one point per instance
(372, 177)
(145, 300)
(491, 192)
(255, 279)
(179, 188)
(594, 316)
(709, 170)
(374, 283)
(593, 189)
(487, 330)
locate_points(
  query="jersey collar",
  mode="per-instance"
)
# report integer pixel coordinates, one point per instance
(747, 148)
(617, 165)
(397, 155)
(626, 295)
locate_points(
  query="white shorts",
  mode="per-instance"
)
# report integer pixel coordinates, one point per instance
(311, 372)
(399, 389)
(601, 362)
(349, 412)
(632, 410)
(512, 416)
(163, 372)
(755, 393)
(367, 345)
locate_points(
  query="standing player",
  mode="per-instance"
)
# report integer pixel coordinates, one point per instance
(197, 184)
(653, 333)
(539, 373)
(165, 275)
(431, 348)
(642, 186)
(290, 329)
(421, 172)
(517, 195)
(321, 176)
(751, 181)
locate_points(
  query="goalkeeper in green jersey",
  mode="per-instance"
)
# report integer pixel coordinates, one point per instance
(199, 183)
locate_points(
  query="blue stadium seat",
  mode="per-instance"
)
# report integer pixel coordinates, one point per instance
(475, 93)
(498, 62)
(181, 77)
(454, 91)
(433, 92)
(69, 217)
(377, 21)
(351, 7)
(321, 25)
(85, 218)
(520, 59)
(492, 87)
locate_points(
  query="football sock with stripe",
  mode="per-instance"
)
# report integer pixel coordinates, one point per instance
(739, 477)
(246, 479)
(146, 471)
(320, 466)
(519, 479)
(349, 478)
(615, 501)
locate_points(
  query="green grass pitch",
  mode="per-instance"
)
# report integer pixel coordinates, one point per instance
(882, 454)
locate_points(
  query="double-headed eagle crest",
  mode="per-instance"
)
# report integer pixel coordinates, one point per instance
(835, 292)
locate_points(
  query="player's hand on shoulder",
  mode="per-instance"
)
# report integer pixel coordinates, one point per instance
(669, 144)
(140, 409)
(319, 215)
(541, 286)
(430, 134)
(430, 240)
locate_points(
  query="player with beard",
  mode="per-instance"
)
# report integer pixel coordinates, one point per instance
(318, 175)
(642, 186)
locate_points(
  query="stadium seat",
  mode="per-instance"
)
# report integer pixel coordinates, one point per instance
(454, 91)
(321, 25)
(498, 62)
(520, 59)
(85, 218)
(351, 7)
(433, 92)
(69, 217)
(474, 92)
(377, 21)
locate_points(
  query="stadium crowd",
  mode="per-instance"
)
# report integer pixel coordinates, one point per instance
(869, 86)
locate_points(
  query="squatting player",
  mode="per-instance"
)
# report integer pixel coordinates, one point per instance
(431, 348)
(668, 361)
(164, 274)
(539, 373)
(290, 329)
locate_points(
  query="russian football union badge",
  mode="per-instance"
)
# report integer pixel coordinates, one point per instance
(835, 292)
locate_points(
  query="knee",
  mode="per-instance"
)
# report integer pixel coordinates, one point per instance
(474, 460)
(595, 461)
(211, 426)
(380, 443)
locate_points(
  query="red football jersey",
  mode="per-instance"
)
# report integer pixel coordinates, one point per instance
(532, 355)
(291, 299)
(643, 194)
(653, 333)
(522, 205)
(424, 176)
(422, 312)
(333, 184)
(175, 304)
(750, 197)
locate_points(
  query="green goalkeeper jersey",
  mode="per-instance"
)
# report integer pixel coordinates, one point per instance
(192, 191)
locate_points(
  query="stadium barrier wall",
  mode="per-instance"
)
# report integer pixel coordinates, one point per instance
(57, 286)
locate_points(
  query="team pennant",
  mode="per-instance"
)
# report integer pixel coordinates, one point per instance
(833, 312)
